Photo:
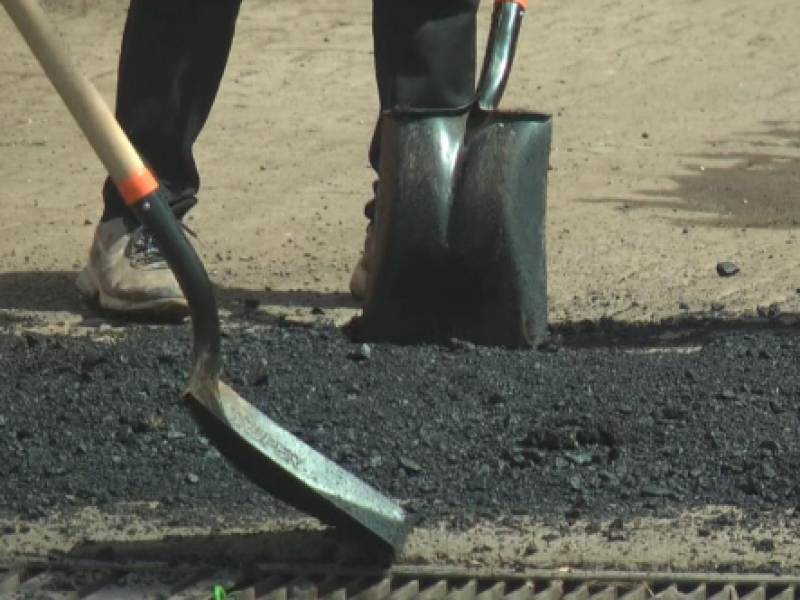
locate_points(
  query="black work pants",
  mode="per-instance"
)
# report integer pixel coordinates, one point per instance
(174, 54)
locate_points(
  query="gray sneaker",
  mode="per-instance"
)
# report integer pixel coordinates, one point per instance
(359, 281)
(127, 273)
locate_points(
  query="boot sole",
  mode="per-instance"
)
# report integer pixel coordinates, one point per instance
(89, 287)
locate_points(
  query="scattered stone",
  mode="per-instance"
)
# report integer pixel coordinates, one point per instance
(676, 413)
(770, 445)
(456, 344)
(727, 269)
(364, 353)
(580, 459)
(193, 479)
(496, 399)
(616, 536)
(772, 311)
(251, 303)
(764, 545)
(656, 491)
(92, 322)
(410, 465)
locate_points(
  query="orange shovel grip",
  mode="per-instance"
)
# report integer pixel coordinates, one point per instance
(137, 186)
(523, 4)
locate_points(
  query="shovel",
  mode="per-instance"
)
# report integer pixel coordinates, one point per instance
(459, 248)
(271, 457)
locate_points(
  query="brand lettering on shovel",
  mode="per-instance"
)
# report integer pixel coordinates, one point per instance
(259, 436)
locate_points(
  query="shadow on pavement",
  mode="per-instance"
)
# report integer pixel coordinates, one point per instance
(296, 545)
(54, 291)
(750, 181)
(31, 292)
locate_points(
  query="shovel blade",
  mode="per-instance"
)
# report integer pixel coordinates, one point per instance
(460, 230)
(293, 472)
(497, 284)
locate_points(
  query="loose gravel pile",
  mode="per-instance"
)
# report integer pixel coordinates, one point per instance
(456, 433)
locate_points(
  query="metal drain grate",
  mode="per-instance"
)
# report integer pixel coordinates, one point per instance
(79, 581)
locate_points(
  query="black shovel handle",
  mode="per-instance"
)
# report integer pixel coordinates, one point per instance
(153, 212)
(500, 51)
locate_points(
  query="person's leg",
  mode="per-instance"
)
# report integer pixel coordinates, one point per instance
(425, 58)
(171, 64)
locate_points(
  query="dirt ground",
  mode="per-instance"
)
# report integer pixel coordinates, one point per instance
(677, 145)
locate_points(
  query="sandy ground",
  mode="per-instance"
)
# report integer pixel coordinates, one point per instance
(692, 541)
(677, 145)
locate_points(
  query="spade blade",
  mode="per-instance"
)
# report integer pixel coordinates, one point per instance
(293, 471)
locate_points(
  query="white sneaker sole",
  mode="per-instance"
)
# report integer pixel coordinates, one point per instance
(358, 283)
(88, 285)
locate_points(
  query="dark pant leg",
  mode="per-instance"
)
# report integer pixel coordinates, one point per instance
(173, 56)
(425, 55)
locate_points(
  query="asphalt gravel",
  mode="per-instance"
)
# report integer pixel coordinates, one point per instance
(456, 433)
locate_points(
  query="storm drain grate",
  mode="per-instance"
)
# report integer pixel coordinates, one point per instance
(142, 582)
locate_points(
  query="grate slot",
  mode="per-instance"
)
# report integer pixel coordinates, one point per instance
(433, 590)
(519, 590)
(720, 592)
(635, 592)
(406, 591)
(579, 593)
(273, 587)
(302, 589)
(758, 593)
(781, 593)
(376, 590)
(10, 581)
(492, 591)
(34, 584)
(465, 590)
(133, 586)
(201, 582)
(603, 592)
(552, 591)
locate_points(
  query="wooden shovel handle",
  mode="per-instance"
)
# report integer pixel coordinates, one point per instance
(97, 122)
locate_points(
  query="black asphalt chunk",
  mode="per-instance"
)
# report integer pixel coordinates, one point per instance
(455, 433)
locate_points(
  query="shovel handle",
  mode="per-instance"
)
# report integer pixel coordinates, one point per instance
(126, 168)
(500, 50)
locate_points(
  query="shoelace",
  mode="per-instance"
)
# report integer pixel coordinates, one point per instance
(144, 249)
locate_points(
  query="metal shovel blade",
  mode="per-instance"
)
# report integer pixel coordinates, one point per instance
(497, 285)
(460, 230)
(293, 472)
